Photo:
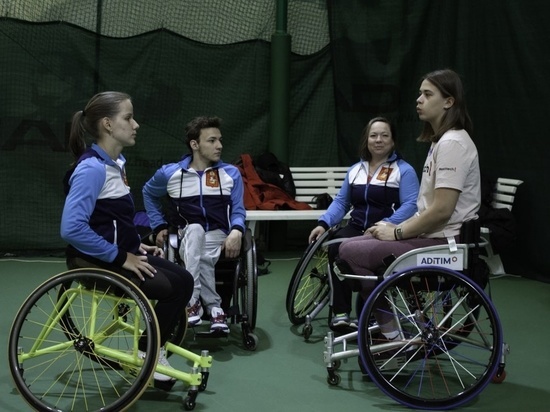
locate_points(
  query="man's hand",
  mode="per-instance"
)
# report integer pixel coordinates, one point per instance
(162, 238)
(232, 244)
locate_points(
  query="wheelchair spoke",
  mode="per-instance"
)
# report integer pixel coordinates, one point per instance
(74, 346)
(449, 343)
(312, 288)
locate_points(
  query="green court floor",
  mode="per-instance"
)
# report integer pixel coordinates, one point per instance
(285, 373)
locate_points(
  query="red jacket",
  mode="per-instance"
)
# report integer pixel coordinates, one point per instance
(259, 195)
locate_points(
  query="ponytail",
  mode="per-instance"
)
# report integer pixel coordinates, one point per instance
(77, 143)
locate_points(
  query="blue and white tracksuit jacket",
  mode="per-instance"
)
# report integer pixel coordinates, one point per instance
(213, 198)
(390, 195)
(97, 218)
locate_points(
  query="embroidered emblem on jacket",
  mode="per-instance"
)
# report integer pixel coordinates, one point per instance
(212, 179)
(384, 173)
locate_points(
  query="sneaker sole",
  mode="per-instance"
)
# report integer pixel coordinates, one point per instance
(219, 332)
(341, 324)
(194, 323)
(224, 329)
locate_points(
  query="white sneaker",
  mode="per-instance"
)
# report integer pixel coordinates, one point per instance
(161, 361)
(194, 314)
(218, 321)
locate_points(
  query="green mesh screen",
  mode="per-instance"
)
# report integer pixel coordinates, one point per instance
(381, 49)
(177, 59)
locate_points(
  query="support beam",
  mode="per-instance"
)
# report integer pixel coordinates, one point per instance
(280, 85)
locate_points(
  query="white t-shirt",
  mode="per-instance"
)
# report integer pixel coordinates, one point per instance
(452, 163)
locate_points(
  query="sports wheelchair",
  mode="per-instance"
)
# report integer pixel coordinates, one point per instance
(450, 343)
(74, 345)
(236, 283)
(310, 285)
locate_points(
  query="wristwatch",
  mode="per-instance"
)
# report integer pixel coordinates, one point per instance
(399, 232)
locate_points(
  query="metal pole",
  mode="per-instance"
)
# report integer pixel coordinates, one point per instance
(99, 12)
(280, 84)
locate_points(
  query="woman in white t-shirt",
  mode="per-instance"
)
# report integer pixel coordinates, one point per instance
(450, 190)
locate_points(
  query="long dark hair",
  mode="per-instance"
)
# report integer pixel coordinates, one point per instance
(85, 122)
(456, 117)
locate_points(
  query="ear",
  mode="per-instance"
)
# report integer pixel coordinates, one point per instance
(449, 101)
(194, 144)
(106, 123)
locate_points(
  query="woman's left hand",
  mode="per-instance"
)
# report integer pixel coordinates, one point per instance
(153, 250)
(382, 231)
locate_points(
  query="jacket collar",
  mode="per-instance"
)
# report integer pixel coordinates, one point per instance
(186, 161)
(121, 161)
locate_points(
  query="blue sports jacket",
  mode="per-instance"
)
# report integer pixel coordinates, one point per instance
(97, 218)
(213, 198)
(390, 195)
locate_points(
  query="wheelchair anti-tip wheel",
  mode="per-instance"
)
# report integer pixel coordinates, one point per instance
(310, 284)
(73, 343)
(450, 343)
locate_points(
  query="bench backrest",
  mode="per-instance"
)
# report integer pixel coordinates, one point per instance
(313, 181)
(505, 192)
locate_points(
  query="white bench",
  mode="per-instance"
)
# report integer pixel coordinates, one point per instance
(312, 181)
(309, 182)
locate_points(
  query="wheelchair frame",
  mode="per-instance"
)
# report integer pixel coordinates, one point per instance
(244, 287)
(450, 342)
(74, 345)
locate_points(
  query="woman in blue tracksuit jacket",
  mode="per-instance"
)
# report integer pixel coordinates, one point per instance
(381, 187)
(97, 220)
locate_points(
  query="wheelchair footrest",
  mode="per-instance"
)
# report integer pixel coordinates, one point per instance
(212, 334)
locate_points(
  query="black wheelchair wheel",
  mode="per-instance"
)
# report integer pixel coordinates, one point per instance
(450, 343)
(310, 284)
(251, 281)
(72, 345)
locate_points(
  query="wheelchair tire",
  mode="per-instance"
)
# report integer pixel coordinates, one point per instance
(310, 284)
(71, 345)
(245, 287)
(451, 340)
(251, 307)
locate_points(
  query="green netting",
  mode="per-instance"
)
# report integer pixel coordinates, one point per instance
(205, 21)
(177, 60)
(500, 48)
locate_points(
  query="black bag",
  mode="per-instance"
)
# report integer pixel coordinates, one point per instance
(275, 172)
(322, 201)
